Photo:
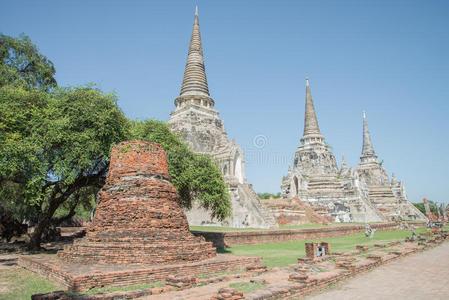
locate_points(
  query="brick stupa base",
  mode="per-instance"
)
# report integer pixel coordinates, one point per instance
(138, 219)
(82, 277)
(139, 231)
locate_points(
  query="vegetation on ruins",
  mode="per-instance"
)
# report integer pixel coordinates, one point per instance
(55, 144)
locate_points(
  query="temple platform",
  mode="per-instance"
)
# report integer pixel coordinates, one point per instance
(82, 277)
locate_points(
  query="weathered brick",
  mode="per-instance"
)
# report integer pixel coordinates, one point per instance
(138, 218)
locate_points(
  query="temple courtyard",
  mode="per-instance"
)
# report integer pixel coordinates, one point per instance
(413, 270)
(137, 199)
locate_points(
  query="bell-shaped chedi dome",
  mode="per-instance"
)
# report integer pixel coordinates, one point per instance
(138, 219)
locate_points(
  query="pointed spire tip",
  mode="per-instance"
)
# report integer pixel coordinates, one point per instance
(195, 82)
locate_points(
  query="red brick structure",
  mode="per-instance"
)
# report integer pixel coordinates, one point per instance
(316, 250)
(138, 219)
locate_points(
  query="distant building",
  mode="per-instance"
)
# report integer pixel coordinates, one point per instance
(362, 195)
(388, 196)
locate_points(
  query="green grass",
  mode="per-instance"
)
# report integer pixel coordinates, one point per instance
(220, 274)
(319, 225)
(21, 284)
(247, 287)
(220, 228)
(123, 288)
(285, 253)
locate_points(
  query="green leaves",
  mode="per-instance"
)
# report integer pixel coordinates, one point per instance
(22, 65)
(195, 176)
(49, 140)
(55, 143)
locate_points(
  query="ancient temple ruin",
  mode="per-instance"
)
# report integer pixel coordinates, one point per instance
(362, 195)
(388, 196)
(198, 121)
(316, 179)
(138, 219)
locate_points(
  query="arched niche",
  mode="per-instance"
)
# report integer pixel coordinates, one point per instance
(225, 169)
(295, 186)
(238, 169)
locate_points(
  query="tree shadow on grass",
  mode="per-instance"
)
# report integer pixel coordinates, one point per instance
(223, 251)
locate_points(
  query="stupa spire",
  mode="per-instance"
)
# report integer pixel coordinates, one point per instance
(310, 120)
(393, 179)
(344, 166)
(195, 81)
(367, 149)
(311, 128)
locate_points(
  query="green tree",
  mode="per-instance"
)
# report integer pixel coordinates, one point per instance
(21, 64)
(269, 195)
(55, 145)
(421, 207)
(195, 176)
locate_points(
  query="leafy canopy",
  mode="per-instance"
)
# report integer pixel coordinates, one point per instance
(22, 65)
(269, 195)
(55, 144)
(49, 142)
(422, 208)
(195, 176)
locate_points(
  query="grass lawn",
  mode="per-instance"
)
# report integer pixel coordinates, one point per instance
(247, 287)
(285, 253)
(220, 228)
(17, 283)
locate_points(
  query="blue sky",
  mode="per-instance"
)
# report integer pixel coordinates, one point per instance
(389, 58)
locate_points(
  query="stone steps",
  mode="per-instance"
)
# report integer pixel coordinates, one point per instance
(264, 211)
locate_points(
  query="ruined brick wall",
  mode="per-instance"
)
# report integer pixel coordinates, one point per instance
(236, 238)
(132, 276)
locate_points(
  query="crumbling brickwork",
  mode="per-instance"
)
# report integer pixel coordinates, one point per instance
(311, 249)
(138, 218)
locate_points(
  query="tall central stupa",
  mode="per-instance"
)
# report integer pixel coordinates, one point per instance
(198, 121)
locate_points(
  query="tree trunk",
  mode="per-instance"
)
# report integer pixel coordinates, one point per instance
(57, 198)
(44, 222)
(56, 222)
